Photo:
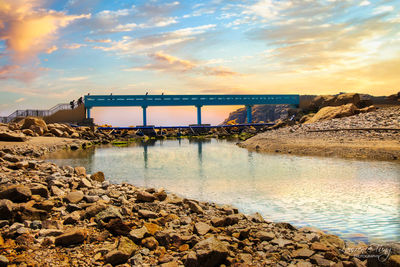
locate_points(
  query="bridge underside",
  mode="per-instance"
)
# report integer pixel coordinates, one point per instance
(198, 101)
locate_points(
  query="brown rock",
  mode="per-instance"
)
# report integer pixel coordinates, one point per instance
(302, 253)
(93, 210)
(98, 176)
(12, 137)
(41, 190)
(28, 122)
(144, 196)
(328, 113)
(125, 249)
(138, 234)
(16, 193)
(150, 243)
(332, 240)
(80, 171)
(74, 197)
(201, 228)
(194, 207)
(319, 246)
(37, 129)
(210, 252)
(152, 228)
(76, 236)
(28, 132)
(265, 236)
(56, 132)
(118, 227)
(147, 214)
(85, 183)
(6, 209)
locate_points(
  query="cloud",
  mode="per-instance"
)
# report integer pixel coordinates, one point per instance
(51, 49)
(73, 46)
(19, 100)
(17, 72)
(75, 79)
(167, 63)
(29, 29)
(98, 40)
(149, 43)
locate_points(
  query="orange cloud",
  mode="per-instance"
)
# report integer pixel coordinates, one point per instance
(28, 29)
(171, 60)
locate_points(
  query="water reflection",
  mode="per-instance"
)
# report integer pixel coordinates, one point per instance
(349, 198)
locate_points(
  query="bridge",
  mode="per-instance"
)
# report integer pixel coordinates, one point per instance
(197, 101)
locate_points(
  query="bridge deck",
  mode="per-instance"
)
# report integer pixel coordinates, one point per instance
(185, 127)
(187, 100)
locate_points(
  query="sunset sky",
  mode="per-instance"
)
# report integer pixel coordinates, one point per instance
(55, 51)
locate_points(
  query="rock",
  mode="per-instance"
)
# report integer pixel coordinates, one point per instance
(109, 213)
(125, 249)
(80, 171)
(348, 98)
(161, 194)
(152, 228)
(138, 234)
(265, 236)
(319, 247)
(302, 253)
(3, 261)
(150, 243)
(57, 191)
(225, 221)
(74, 197)
(28, 132)
(56, 132)
(194, 207)
(72, 218)
(37, 129)
(98, 176)
(11, 158)
(332, 240)
(201, 228)
(50, 232)
(41, 190)
(76, 236)
(28, 122)
(6, 209)
(328, 113)
(281, 242)
(85, 183)
(210, 252)
(118, 227)
(147, 214)
(320, 261)
(16, 193)
(144, 196)
(93, 210)
(12, 137)
(46, 205)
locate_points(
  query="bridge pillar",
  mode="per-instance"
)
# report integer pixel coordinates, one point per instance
(199, 114)
(88, 113)
(144, 115)
(249, 118)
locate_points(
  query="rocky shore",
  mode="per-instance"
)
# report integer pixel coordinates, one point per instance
(62, 216)
(373, 135)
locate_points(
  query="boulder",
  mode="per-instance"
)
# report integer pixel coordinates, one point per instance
(144, 196)
(74, 197)
(328, 113)
(37, 129)
(98, 176)
(210, 252)
(16, 193)
(348, 98)
(41, 190)
(34, 121)
(124, 251)
(28, 132)
(118, 227)
(265, 236)
(150, 243)
(138, 234)
(201, 228)
(73, 237)
(56, 132)
(6, 209)
(12, 137)
(109, 213)
(80, 171)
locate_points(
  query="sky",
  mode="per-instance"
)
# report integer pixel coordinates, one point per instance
(53, 51)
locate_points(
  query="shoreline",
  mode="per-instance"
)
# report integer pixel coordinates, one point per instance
(161, 227)
(324, 138)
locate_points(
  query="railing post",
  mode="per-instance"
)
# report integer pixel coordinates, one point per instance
(144, 115)
(88, 113)
(199, 114)
(249, 118)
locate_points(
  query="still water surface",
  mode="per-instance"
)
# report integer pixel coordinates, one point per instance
(358, 200)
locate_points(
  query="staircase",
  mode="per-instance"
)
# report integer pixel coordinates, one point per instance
(35, 112)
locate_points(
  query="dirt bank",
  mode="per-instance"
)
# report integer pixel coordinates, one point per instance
(313, 139)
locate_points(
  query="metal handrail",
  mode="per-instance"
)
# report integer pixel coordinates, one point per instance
(35, 112)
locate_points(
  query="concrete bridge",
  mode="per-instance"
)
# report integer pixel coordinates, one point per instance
(198, 101)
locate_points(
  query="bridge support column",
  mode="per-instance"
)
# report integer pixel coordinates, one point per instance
(88, 113)
(249, 118)
(144, 115)
(199, 114)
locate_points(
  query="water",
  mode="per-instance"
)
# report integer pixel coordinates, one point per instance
(357, 200)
